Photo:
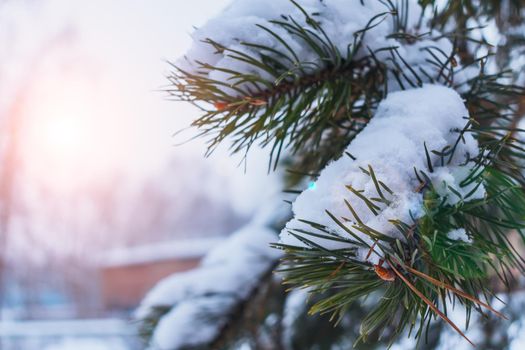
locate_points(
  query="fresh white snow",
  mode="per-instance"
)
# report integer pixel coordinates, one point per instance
(238, 22)
(87, 344)
(459, 235)
(393, 145)
(71, 334)
(203, 298)
(341, 20)
(296, 305)
(71, 328)
(192, 322)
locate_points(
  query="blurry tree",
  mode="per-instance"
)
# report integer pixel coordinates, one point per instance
(17, 71)
(168, 203)
(50, 240)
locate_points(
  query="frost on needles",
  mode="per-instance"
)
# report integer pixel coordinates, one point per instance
(379, 179)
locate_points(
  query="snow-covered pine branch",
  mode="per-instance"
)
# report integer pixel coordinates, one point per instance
(399, 205)
(305, 75)
(414, 127)
(194, 309)
(392, 146)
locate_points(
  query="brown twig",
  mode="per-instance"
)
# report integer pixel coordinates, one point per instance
(428, 302)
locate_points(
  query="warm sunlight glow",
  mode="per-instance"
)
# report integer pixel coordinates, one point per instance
(73, 134)
(65, 136)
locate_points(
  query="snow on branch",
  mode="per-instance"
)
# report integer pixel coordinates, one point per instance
(306, 74)
(193, 308)
(305, 36)
(414, 209)
(421, 188)
(403, 139)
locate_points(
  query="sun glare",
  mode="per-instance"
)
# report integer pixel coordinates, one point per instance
(69, 135)
(65, 137)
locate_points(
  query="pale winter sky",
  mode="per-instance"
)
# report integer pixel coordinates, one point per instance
(90, 72)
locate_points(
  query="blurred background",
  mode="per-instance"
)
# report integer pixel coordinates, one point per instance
(97, 200)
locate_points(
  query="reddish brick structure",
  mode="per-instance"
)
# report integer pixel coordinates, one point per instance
(127, 274)
(124, 286)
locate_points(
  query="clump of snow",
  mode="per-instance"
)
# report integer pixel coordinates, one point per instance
(459, 235)
(192, 323)
(393, 145)
(451, 176)
(296, 305)
(341, 21)
(202, 299)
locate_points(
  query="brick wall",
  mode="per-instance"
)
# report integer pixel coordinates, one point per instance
(123, 287)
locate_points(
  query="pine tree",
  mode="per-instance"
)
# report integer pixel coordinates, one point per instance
(399, 123)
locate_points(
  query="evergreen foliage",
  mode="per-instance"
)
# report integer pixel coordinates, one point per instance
(308, 112)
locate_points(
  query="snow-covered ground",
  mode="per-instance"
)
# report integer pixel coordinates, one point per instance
(96, 334)
(88, 344)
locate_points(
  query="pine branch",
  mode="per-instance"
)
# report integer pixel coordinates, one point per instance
(429, 267)
(312, 108)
